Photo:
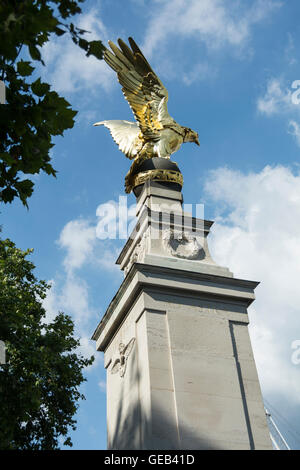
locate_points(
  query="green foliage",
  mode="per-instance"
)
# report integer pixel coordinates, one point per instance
(39, 382)
(33, 113)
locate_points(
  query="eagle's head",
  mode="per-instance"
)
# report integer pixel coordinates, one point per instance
(191, 136)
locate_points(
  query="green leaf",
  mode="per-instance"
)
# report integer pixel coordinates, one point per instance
(34, 52)
(83, 43)
(39, 88)
(25, 190)
(96, 49)
(8, 194)
(24, 68)
(33, 114)
(59, 32)
(41, 378)
(7, 158)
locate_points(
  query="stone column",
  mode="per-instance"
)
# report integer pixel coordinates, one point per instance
(180, 367)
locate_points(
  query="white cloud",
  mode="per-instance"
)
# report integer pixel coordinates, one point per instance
(290, 51)
(199, 72)
(78, 238)
(87, 349)
(282, 100)
(74, 298)
(276, 100)
(50, 303)
(217, 23)
(214, 23)
(70, 291)
(115, 219)
(294, 129)
(70, 296)
(102, 386)
(67, 67)
(257, 235)
(205, 27)
(87, 117)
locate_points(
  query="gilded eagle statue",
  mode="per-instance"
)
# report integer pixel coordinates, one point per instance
(155, 133)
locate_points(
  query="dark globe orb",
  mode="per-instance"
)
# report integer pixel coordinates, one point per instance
(157, 164)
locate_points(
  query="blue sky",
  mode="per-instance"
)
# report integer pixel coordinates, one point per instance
(229, 67)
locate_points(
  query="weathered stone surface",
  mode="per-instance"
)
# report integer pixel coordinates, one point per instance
(190, 380)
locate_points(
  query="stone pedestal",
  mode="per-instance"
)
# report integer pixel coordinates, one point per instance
(180, 367)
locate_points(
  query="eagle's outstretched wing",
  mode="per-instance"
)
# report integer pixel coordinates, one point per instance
(128, 348)
(116, 366)
(125, 134)
(143, 90)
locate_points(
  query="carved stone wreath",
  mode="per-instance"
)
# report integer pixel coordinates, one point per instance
(182, 244)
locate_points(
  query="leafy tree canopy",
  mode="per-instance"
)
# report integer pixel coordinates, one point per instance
(40, 378)
(33, 113)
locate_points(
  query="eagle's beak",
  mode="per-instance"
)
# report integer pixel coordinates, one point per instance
(197, 142)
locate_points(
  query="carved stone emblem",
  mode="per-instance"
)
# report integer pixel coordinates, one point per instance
(138, 253)
(120, 363)
(183, 244)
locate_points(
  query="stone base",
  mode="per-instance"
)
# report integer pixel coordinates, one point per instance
(180, 367)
